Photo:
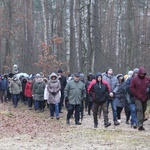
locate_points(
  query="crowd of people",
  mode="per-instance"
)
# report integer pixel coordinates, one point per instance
(80, 94)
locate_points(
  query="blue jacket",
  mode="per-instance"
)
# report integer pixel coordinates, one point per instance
(3, 84)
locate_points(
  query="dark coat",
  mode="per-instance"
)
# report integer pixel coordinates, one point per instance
(99, 91)
(120, 99)
(3, 84)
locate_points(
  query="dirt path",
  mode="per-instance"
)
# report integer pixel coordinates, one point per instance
(22, 129)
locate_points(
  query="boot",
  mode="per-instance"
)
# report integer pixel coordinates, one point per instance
(116, 123)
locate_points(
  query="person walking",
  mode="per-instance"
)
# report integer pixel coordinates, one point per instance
(138, 88)
(38, 92)
(54, 94)
(113, 83)
(74, 95)
(3, 88)
(15, 88)
(63, 82)
(100, 93)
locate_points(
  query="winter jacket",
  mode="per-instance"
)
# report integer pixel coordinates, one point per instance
(94, 81)
(120, 99)
(112, 81)
(139, 85)
(63, 82)
(28, 90)
(3, 84)
(38, 90)
(15, 86)
(53, 88)
(46, 93)
(75, 92)
(99, 90)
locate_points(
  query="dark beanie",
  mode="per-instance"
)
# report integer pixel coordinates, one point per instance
(108, 69)
(60, 71)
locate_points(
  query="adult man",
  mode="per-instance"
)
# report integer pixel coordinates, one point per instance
(74, 95)
(3, 88)
(113, 83)
(15, 88)
(100, 92)
(63, 83)
(138, 88)
(130, 108)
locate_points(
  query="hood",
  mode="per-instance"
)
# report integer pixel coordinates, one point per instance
(97, 75)
(53, 75)
(141, 71)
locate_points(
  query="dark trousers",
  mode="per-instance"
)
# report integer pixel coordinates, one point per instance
(40, 105)
(61, 101)
(71, 109)
(3, 95)
(96, 111)
(30, 101)
(119, 110)
(140, 108)
(90, 107)
(127, 111)
(15, 98)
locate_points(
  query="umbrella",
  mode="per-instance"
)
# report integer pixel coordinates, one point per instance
(22, 75)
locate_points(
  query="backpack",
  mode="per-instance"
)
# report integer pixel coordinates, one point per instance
(148, 91)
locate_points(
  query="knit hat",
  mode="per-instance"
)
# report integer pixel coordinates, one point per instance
(108, 69)
(60, 71)
(136, 70)
(130, 73)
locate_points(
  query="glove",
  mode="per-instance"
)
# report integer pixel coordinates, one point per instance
(53, 93)
(66, 102)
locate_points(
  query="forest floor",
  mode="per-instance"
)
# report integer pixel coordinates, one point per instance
(23, 129)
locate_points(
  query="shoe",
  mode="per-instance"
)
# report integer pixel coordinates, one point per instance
(30, 108)
(57, 118)
(95, 125)
(116, 123)
(134, 126)
(107, 124)
(60, 112)
(78, 123)
(52, 117)
(67, 122)
(89, 113)
(141, 128)
(119, 120)
(127, 122)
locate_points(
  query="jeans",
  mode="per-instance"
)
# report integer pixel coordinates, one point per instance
(70, 109)
(54, 108)
(40, 105)
(35, 104)
(133, 114)
(15, 98)
(113, 106)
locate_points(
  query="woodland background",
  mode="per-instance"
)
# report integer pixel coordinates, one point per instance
(75, 35)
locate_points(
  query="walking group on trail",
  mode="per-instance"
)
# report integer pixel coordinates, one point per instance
(79, 94)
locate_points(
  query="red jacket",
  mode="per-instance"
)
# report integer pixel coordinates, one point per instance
(139, 85)
(94, 81)
(28, 90)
